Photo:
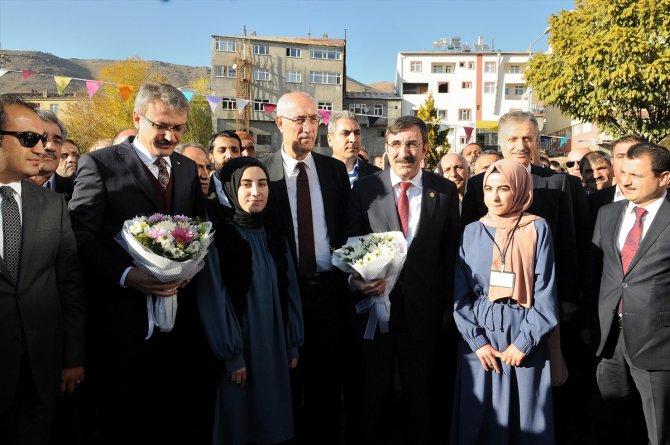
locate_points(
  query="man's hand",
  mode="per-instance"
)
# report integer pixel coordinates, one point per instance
(150, 285)
(239, 376)
(489, 358)
(372, 288)
(512, 356)
(293, 363)
(70, 378)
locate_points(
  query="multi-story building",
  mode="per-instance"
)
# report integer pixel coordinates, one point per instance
(472, 87)
(262, 69)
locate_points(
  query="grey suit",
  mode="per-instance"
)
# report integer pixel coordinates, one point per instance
(640, 349)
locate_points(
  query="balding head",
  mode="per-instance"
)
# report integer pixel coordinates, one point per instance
(456, 169)
(575, 155)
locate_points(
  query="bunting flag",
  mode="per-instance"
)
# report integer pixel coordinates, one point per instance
(62, 83)
(468, 133)
(2, 72)
(563, 141)
(241, 103)
(269, 108)
(92, 87)
(213, 102)
(325, 115)
(26, 74)
(188, 95)
(124, 91)
(372, 120)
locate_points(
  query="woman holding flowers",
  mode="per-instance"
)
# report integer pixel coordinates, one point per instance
(505, 309)
(250, 306)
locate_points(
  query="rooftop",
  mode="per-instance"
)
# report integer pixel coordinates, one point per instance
(298, 40)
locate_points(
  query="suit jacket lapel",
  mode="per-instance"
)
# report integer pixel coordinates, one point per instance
(325, 178)
(279, 193)
(428, 203)
(129, 158)
(30, 203)
(181, 190)
(383, 212)
(609, 238)
(658, 225)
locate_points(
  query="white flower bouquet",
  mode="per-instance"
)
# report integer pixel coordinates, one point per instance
(169, 248)
(374, 256)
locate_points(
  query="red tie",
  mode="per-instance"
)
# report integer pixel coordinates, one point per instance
(403, 206)
(306, 250)
(631, 244)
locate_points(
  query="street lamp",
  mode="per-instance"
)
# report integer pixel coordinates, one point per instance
(530, 54)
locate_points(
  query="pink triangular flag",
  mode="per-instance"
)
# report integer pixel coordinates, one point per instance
(124, 91)
(269, 108)
(26, 74)
(468, 133)
(325, 115)
(92, 86)
(213, 102)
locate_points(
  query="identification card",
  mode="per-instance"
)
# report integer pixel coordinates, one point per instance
(502, 279)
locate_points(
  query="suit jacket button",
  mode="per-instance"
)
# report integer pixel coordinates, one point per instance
(624, 285)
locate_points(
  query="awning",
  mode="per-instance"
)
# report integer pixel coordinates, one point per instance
(487, 125)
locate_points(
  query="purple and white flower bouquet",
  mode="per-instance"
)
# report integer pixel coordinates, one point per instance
(169, 248)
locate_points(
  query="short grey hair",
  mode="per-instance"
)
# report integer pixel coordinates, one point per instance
(518, 116)
(182, 146)
(173, 99)
(345, 114)
(48, 116)
(284, 103)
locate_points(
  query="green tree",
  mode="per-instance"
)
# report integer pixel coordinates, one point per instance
(610, 64)
(200, 115)
(437, 140)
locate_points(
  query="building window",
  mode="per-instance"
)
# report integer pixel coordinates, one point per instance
(258, 104)
(228, 103)
(463, 140)
(54, 108)
(489, 67)
(514, 69)
(221, 124)
(466, 85)
(489, 87)
(261, 74)
(439, 69)
(519, 90)
(293, 52)
(443, 87)
(378, 110)
(225, 45)
(325, 106)
(294, 76)
(323, 140)
(415, 88)
(415, 67)
(224, 71)
(471, 65)
(464, 114)
(325, 78)
(358, 108)
(442, 114)
(382, 133)
(330, 54)
(261, 50)
(461, 64)
(264, 139)
(448, 69)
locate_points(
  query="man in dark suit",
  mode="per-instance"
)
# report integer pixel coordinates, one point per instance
(344, 137)
(41, 299)
(632, 333)
(424, 207)
(146, 380)
(309, 193)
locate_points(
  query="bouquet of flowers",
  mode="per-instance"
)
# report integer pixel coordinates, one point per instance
(169, 248)
(374, 256)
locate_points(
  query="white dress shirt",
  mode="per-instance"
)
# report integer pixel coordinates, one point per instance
(218, 187)
(414, 194)
(17, 196)
(148, 158)
(618, 194)
(629, 220)
(321, 239)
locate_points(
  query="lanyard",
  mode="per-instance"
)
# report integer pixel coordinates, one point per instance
(502, 252)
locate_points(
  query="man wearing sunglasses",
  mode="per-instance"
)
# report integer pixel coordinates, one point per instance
(41, 298)
(148, 381)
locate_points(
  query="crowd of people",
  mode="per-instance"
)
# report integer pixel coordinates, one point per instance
(532, 306)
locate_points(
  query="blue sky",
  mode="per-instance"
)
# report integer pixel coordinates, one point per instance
(179, 31)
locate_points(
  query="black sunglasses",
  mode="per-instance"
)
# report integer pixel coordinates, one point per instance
(27, 139)
(570, 164)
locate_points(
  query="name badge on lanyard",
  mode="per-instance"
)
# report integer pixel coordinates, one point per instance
(502, 279)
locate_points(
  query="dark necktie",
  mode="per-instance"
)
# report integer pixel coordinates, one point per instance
(306, 251)
(163, 174)
(11, 231)
(631, 244)
(403, 206)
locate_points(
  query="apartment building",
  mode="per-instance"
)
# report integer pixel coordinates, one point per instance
(262, 69)
(472, 86)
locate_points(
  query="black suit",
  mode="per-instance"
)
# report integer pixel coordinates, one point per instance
(640, 349)
(600, 198)
(420, 304)
(64, 185)
(318, 375)
(42, 314)
(113, 185)
(366, 169)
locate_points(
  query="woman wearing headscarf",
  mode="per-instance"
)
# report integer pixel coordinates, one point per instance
(250, 306)
(505, 309)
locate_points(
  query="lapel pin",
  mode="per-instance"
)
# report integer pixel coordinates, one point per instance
(432, 194)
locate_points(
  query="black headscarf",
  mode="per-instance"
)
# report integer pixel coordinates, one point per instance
(231, 176)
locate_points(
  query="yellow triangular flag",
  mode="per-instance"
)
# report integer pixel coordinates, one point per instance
(62, 83)
(124, 91)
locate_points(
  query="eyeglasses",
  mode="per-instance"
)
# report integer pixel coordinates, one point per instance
(571, 164)
(301, 120)
(397, 145)
(27, 139)
(164, 128)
